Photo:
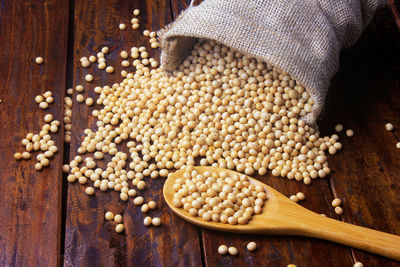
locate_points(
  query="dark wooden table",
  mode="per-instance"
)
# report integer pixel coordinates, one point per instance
(44, 221)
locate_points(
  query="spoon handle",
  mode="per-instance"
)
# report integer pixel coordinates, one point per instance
(363, 238)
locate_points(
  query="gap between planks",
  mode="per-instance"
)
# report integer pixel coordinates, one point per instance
(67, 150)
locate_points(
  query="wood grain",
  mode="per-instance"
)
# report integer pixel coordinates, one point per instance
(30, 210)
(364, 96)
(90, 240)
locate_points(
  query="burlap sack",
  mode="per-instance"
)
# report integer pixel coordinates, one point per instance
(301, 37)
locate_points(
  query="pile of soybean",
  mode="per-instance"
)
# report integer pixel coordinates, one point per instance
(223, 107)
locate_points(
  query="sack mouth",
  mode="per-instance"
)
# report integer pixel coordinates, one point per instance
(301, 38)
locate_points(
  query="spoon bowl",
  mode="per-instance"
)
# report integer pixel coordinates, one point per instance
(282, 216)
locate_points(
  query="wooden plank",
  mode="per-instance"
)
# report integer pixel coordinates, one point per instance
(90, 240)
(365, 97)
(277, 250)
(30, 200)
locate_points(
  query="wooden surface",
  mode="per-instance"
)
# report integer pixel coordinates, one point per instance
(30, 212)
(89, 239)
(364, 96)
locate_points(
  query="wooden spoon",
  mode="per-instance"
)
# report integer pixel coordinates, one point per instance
(282, 216)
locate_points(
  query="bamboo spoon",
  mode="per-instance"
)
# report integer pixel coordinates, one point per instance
(282, 216)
